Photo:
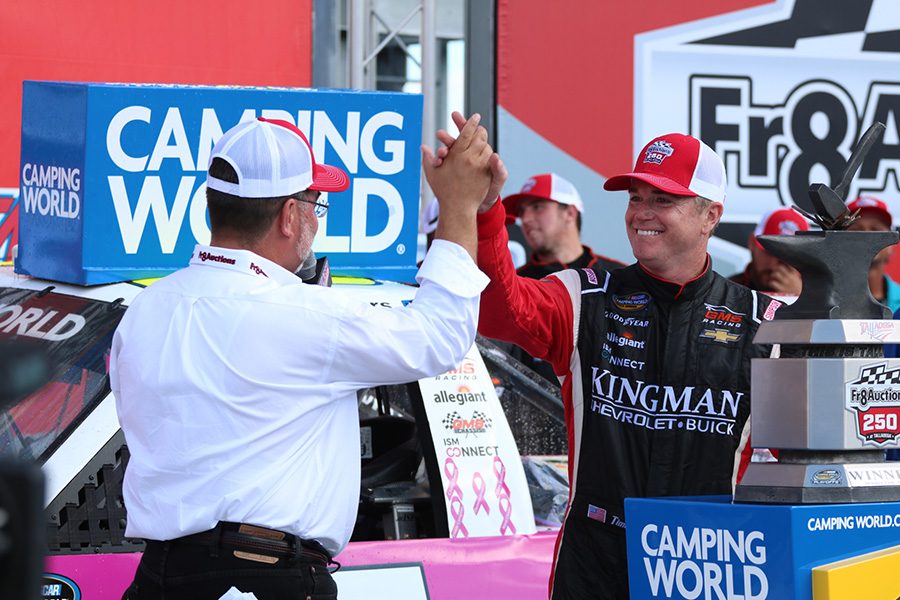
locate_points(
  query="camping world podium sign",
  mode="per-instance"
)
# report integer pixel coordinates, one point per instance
(113, 176)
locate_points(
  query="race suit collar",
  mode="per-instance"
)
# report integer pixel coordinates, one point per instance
(663, 289)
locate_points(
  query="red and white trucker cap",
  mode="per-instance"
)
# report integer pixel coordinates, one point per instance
(272, 159)
(874, 206)
(781, 221)
(677, 164)
(548, 186)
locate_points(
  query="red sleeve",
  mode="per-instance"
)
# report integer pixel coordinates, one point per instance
(535, 315)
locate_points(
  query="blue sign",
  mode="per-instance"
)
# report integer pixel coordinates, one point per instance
(113, 176)
(707, 547)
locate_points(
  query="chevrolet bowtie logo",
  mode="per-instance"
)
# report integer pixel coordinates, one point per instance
(720, 335)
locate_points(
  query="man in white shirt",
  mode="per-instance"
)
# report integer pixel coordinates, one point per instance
(235, 383)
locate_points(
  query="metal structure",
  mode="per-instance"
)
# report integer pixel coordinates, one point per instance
(831, 401)
(363, 22)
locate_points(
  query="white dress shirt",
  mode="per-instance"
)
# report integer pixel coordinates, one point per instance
(235, 385)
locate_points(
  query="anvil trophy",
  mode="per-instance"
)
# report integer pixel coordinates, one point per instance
(830, 402)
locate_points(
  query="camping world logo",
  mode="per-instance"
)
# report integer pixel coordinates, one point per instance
(782, 92)
(874, 398)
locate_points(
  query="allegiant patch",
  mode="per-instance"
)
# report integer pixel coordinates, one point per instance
(632, 302)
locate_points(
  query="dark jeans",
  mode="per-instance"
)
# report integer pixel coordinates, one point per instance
(177, 571)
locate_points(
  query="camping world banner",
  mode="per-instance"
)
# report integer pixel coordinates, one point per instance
(112, 177)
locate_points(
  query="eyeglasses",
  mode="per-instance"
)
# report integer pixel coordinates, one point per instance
(321, 204)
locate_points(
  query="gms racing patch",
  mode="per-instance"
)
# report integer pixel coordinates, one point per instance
(722, 316)
(874, 398)
(632, 302)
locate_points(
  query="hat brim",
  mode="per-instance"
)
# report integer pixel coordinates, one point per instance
(327, 178)
(623, 182)
(512, 202)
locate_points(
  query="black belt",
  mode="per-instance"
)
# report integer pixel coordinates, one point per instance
(259, 544)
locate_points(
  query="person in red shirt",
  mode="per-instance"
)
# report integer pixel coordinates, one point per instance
(765, 272)
(549, 210)
(875, 216)
(654, 358)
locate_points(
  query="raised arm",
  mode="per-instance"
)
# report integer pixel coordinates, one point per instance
(459, 180)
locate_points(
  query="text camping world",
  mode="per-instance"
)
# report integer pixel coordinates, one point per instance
(352, 140)
(703, 562)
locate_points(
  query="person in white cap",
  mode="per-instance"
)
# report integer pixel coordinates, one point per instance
(549, 209)
(235, 383)
(654, 358)
(768, 273)
(875, 216)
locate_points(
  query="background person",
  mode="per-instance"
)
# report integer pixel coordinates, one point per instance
(765, 272)
(626, 343)
(875, 216)
(235, 383)
(549, 210)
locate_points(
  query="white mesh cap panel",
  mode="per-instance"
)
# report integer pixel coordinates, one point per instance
(565, 193)
(270, 161)
(709, 180)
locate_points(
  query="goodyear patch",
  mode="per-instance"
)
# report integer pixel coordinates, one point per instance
(632, 302)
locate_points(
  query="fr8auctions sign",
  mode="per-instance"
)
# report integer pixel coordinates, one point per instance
(804, 139)
(874, 398)
(781, 92)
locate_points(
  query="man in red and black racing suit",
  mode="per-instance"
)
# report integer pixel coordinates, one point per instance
(654, 358)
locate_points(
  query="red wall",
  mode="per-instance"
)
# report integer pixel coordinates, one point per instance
(267, 42)
(559, 60)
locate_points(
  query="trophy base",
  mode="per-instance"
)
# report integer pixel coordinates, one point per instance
(824, 483)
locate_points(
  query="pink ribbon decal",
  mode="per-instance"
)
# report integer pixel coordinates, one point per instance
(500, 471)
(502, 492)
(506, 513)
(455, 495)
(480, 488)
(452, 473)
(458, 511)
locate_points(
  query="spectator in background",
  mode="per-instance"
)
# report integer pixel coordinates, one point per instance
(550, 209)
(765, 272)
(875, 216)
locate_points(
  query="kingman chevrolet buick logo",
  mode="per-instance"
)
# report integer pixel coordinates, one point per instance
(654, 406)
(874, 398)
(780, 101)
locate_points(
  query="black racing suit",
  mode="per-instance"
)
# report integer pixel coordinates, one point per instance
(656, 385)
(535, 269)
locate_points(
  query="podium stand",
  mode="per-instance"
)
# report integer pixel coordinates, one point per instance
(708, 548)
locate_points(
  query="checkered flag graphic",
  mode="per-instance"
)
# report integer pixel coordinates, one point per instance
(480, 415)
(863, 26)
(450, 418)
(878, 375)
